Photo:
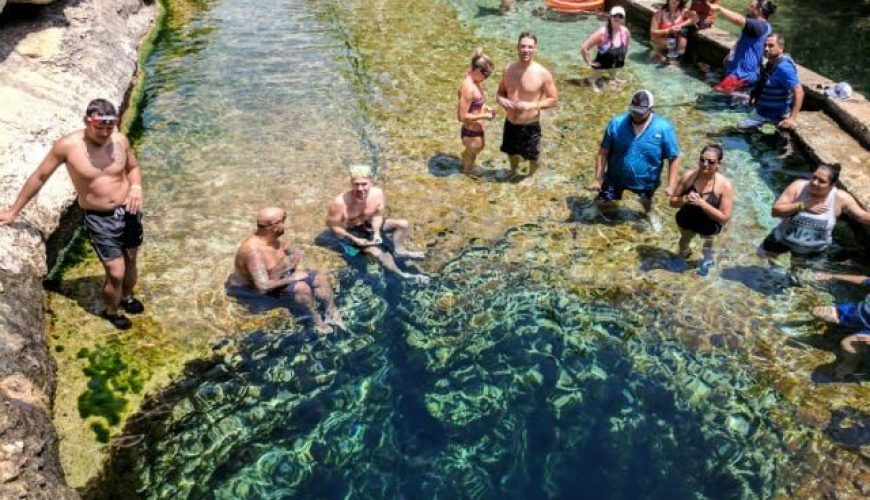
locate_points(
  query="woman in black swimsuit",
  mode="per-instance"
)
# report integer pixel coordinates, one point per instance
(705, 200)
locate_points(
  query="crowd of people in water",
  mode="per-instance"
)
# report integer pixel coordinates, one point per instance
(634, 148)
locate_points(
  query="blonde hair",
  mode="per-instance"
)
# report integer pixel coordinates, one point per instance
(481, 61)
(360, 170)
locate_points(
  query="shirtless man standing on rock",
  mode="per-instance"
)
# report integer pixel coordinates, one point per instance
(108, 181)
(265, 265)
(525, 89)
(358, 216)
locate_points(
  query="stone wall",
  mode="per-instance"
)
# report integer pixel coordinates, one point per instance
(53, 60)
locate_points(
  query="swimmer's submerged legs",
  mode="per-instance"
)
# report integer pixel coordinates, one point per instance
(854, 347)
(399, 230)
(473, 146)
(303, 296)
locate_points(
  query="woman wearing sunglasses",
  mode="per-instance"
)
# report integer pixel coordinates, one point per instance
(705, 199)
(472, 111)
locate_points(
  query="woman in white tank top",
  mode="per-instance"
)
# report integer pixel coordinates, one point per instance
(809, 210)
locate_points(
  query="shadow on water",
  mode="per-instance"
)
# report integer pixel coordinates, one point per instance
(758, 278)
(447, 165)
(652, 258)
(512, 393)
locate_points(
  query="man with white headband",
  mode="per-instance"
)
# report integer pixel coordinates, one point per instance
(108, 181)
(357, 216)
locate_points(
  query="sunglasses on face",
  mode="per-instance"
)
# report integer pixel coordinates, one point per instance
(618, 16)
(102, 122)
(707, 161)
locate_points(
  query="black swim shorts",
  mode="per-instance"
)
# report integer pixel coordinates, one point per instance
(522, 140)
(113, 231)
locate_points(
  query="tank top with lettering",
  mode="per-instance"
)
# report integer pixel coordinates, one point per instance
(806, 232)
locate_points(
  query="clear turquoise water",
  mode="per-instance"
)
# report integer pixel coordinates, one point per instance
(518, 372)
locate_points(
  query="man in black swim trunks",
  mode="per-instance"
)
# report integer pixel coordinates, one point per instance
(266, 265)
(108, 181)
(525, 89)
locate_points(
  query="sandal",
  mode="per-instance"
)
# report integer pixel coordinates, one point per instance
(827, 314)
(118, 320)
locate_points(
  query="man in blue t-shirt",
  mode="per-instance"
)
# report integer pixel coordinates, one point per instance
(778, 95)
(743, 64)
(632, 154)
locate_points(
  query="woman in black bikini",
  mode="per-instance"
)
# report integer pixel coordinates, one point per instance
(471, 111)
(705, 200)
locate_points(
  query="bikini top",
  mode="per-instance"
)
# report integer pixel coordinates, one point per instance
(709, 196)
(477, 104)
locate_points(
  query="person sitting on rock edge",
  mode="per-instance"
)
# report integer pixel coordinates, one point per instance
(851, 316)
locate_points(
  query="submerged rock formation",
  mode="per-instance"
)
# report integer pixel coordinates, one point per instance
(52, 62)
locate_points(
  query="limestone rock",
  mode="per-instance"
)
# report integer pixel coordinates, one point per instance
(53, 64)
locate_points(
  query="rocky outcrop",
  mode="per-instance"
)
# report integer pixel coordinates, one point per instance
(52, 62)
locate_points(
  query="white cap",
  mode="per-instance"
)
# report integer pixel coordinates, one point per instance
(617, 10)
(841, 90)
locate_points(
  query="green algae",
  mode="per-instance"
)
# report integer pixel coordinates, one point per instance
(110, 379)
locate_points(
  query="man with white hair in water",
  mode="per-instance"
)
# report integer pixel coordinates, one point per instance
(357, 216)
(265, 265)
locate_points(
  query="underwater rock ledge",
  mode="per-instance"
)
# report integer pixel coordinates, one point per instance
(52, 62)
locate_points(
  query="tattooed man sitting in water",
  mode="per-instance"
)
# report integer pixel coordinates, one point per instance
(266, 265)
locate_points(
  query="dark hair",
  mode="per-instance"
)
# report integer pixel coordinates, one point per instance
(833, 169)
(681, 5)
(527, 34)
(767, 8)
(481, 61)
(780, 40)
(715, 147)
(101, 107)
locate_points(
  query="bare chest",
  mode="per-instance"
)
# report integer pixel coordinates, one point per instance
(95, 162)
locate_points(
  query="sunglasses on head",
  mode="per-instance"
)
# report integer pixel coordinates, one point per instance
(103, 122)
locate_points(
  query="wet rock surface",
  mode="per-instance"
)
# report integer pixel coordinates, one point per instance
(54, 60)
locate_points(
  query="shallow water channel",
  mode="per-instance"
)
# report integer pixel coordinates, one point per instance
(550, 356)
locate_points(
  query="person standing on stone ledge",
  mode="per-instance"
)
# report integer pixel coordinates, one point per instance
(743, 64)
(108, 181)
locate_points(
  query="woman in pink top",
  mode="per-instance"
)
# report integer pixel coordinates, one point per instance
(665, 30)
(612, 41)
